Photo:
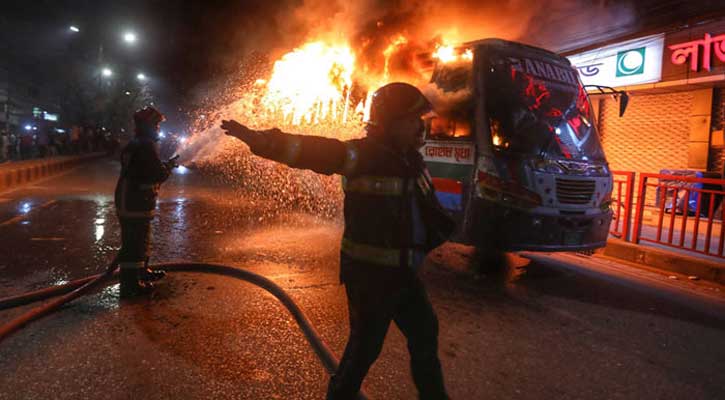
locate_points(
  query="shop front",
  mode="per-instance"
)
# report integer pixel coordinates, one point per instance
(676, 111)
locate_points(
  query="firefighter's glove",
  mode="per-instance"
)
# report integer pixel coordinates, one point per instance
(253, 138)
(172, 162)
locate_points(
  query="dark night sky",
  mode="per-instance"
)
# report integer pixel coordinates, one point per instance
(176, 39)
(180, 45)
(185, 43)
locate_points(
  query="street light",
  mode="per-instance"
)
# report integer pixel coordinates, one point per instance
(141, 77)
(74, 29)
(106, 72)
(129, 37)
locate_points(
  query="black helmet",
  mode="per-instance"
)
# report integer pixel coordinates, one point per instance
(147, 120)
(396, 100)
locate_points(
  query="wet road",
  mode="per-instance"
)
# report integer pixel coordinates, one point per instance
(548, 326)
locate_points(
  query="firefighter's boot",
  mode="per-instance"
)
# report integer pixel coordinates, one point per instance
(150, 275)
(131, 284)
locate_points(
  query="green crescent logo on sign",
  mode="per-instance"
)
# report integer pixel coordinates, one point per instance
(630, 62)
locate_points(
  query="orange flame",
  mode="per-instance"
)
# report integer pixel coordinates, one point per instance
(447, 53)
(312, 87)
(389, 51)
(311, 83)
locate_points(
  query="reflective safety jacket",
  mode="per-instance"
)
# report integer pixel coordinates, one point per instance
(391, 211)
(142, 173)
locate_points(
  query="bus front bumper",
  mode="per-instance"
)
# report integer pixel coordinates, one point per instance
(514, 230)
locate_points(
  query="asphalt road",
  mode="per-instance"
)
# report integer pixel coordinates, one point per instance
(547, 326)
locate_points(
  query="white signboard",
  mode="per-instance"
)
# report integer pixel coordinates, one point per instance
(628, 63)
(448, 152)
(50, 117)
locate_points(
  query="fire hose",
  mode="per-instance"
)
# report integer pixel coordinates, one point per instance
(77, 288)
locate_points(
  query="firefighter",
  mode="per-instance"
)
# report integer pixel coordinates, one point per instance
(392, 219)
(142, 173)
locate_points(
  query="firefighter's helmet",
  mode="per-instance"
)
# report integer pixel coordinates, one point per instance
(397, 100)
(148, 117)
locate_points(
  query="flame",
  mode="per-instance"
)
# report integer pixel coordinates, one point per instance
(363, 108)
(467, 55)
(319, 87)
(447, 53)
(389, 51)
(311, 83)
(497, 140)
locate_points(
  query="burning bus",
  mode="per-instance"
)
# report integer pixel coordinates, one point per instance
(513, 149)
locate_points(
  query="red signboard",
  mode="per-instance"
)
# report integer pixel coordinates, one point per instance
(699, 52)
(695, 52)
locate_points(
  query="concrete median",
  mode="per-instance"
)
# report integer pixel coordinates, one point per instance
(709, 270)
(16, 173)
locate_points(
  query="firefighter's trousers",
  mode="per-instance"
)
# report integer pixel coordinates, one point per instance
(135, 240)
(375, 298)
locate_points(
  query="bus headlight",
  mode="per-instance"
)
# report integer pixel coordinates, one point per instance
(548, 166)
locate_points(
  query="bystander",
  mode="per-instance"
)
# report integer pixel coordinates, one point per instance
(26, 145)
(42, 141)
(4, 144)
(75, 139)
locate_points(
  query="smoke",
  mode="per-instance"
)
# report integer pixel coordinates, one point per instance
(370, 28)
(448, 102)
(255, 35)
(371, 25)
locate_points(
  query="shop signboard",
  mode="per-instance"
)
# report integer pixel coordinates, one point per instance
(627, 63)
(697, 52)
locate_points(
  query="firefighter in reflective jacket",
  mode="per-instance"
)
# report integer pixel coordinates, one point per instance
(392, 219)
(142, 173)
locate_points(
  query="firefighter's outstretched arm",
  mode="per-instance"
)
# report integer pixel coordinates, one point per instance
(322, 155)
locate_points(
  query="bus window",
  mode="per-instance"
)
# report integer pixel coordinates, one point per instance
(443, 128)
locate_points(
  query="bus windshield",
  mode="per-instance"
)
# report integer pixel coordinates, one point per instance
(539, 108)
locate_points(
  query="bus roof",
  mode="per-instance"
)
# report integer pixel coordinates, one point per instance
(501, 44)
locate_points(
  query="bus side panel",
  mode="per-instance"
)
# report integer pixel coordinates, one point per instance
(450, 165)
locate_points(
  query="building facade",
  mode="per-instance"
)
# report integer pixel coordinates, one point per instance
(26, 98)
(676, 111)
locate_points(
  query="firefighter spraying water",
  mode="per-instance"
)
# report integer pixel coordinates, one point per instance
(142, 173)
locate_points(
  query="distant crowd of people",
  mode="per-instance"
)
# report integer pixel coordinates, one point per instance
(47, 142)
